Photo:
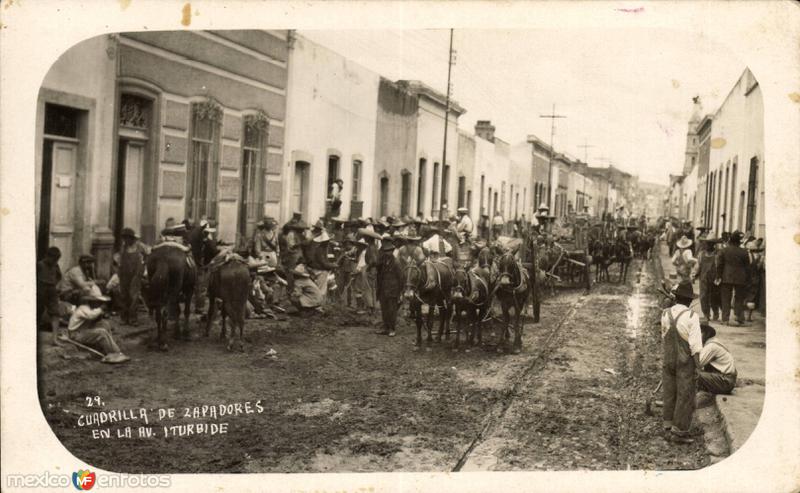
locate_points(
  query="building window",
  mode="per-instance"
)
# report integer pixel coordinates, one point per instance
(752, 191)
(204, 166)
(434, 190)
(251, 204)
(483, 184)
(384, 196)
(421, 186)
(61, 120)
(405, 193)
(445, 185)
(733, 194)
(333, 171)
(462, 190)
(356, 180)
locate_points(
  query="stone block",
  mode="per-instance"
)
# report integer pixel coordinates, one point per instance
(176, 115)
(229, 188)
(173, 184)
(231, 157)
(232, 127)
(175, 149)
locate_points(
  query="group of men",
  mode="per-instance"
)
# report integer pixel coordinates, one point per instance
(729, 270)
(730, 273)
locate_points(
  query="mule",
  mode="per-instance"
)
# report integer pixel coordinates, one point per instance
(229, 283)
(422, 288)
(471, 303)
(624, 255)
(171, 281)
(512, 288)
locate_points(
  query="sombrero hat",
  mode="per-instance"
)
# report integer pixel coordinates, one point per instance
(684, 242)
(369, 232)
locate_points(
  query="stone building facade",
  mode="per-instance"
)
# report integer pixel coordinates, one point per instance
(138, 127)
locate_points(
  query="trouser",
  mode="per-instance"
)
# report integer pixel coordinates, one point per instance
(130, 289)
(737, 291)
(716, 382)
(389, 306)
(366, 284)
(321, 280)
(97, 335)
(710, 300)
(678, 386)
(200, 289)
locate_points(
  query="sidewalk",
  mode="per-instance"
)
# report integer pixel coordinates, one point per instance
(741, 410)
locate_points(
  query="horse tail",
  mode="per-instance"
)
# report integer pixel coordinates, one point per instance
(159, 282)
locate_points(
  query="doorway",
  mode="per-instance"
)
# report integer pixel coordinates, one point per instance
(300, 187)
(60, 162)
(130, 164)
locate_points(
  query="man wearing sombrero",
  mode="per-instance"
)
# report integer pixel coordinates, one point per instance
(705, 271)
(265, 242)
(681, 344)
(683, 260)
(89, 326)
(465, 225)
(733, 272)
(131, 267)
(390, 285)
(318, 264)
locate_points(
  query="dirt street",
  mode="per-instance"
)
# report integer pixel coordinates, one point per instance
(334, 396)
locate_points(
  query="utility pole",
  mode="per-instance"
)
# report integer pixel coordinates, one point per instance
(450, 63)
(585, 147)
(552, 116)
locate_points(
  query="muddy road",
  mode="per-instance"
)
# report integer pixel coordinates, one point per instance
(328, 395)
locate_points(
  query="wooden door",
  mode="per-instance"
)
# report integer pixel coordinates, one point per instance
(62, 199)
(132, 206)
(300, 188)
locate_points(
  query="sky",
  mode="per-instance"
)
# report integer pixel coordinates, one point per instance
(625, 92)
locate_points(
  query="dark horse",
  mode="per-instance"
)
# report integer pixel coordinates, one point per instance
(429, 283)
(471, 302)
(171, 281)
(229, 283)
(624, 255)
(513, 287)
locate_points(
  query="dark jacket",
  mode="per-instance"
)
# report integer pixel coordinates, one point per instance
(390, 276)
(318, 257)
(733, 265)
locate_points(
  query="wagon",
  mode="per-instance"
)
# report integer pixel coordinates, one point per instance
(568, 260)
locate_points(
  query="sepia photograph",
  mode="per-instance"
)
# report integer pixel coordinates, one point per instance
(380, 249)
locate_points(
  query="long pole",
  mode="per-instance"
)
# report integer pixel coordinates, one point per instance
(552, 116)
(586, 147)
(446, 119)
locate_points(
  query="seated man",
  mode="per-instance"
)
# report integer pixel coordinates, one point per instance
(717, 372)
(306, 295)
(89, 326)
(79, 280)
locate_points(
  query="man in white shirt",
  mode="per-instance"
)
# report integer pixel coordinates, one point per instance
(717, 371)
(436, 245)
(88, 326)
(681, 343)
(498, 225)
(465, 225)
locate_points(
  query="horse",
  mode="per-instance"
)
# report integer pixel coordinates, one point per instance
(230, 283)
(513, 287)
(429, 283)
(471, 301)
(603, 255)
(623, 254)
(172, 278)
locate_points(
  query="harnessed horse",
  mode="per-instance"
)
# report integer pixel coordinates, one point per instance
(171, 281)
(471, 301)
(418, 292)
(513, 287)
